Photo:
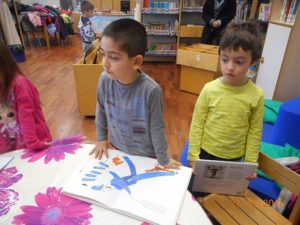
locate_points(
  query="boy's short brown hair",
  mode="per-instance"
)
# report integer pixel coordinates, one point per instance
(129, 34)
(86, 6)
(245, 35)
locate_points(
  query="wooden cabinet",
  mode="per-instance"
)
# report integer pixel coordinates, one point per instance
(278, 72)
(199, 65)
(86, 75)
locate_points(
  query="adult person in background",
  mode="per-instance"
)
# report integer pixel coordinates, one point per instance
(216, 14)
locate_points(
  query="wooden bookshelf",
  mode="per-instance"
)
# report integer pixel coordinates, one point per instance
(160, 19)
(279, 74)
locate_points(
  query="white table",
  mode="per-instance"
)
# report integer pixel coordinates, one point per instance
(30, 191)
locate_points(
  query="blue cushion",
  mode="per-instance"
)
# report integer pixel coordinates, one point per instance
(184, 155)
(264, 188)
(287, 126)
(267, 132)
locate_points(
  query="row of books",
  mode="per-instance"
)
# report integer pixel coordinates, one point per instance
(169, 28)
(264, 12)
(243, 8)
(289, 10)
(161, 5)
(162, 49)
(192, 4)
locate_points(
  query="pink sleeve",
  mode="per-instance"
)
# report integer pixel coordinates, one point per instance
(25, 105)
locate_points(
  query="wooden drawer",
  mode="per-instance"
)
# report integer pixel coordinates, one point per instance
(191, 31)
(199, 56)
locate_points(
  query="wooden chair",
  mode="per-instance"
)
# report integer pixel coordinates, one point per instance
(250, 209)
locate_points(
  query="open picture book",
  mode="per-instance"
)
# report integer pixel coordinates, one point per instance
(222, 177)
(132, 185)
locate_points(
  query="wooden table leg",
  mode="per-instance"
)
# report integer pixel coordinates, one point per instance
(46, 35)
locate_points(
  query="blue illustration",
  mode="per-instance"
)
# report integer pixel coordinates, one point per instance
(124, 182)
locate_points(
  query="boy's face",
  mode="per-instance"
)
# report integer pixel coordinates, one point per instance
(234, 66)
(88, 13)
(117, 63)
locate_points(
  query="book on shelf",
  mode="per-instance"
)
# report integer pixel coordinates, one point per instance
(264, 11)
(132, 185)
(289, 10)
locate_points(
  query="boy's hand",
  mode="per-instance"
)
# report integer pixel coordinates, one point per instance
(192, 164)
(173, 164)
(252, 176)
(100, 149)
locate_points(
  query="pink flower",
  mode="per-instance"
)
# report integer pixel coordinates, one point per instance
(53, 208)
(145, 223)
(56, 151)
(8, 197)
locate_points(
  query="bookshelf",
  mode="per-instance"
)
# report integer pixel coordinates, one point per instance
(191, 23)
(278, 72)
(160, 19)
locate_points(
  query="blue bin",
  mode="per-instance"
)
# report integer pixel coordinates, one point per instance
(17, 52)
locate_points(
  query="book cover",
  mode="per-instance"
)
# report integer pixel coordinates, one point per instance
(132, 185)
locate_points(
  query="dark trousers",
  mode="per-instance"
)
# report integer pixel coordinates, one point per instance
(205, 155)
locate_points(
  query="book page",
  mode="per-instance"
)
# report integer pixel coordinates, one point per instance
(223, 177)
(157, 195)
(132, 185)
(92, 183)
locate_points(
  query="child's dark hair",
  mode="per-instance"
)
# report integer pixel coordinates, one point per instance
(8, 70)
(245, 35)
(129, 34)
(86, 6)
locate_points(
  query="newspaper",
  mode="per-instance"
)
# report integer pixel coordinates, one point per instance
(222, 177)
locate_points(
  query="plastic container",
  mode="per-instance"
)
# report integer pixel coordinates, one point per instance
(18, 52)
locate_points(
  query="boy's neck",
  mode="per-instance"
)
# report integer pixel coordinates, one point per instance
(130, 79)
(85, 15)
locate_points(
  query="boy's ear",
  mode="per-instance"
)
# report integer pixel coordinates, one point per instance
(138, 62)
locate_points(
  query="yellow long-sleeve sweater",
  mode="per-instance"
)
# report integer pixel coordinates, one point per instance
(227, 121)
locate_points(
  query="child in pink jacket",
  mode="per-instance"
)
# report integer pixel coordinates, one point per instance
(22, 123)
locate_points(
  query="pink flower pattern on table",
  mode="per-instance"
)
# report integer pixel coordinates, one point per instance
(56, 151)
(8, 197)
(54, 208)
(145, 223)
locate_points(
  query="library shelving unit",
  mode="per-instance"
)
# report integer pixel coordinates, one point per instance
(191, 23)
(160, 19)
(278, 72)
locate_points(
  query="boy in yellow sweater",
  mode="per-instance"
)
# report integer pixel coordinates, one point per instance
(228, 116)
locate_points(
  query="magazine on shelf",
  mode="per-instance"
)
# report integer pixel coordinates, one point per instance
(132, 185)
(222, 177)
(4, 161)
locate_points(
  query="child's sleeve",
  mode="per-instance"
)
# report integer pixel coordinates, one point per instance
(157, 126)
(101, 121)
(197, 125)
(26, 117)
(254, 132)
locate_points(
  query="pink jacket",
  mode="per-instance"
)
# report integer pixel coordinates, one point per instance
(22, 125)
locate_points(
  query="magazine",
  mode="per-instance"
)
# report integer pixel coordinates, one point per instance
(4, 161)
(132, 185)
(222, 177)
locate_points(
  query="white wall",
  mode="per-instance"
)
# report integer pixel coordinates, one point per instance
(42, 2)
